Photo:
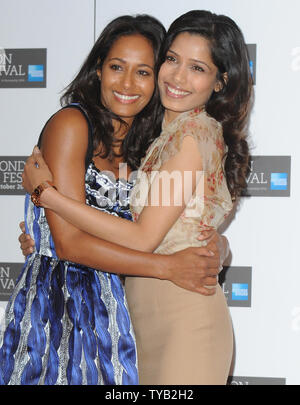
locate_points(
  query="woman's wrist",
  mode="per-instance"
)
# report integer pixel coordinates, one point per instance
(48, 196)
(36, 196)
(163, 267)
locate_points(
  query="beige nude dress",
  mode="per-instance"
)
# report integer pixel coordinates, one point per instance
(183, 337)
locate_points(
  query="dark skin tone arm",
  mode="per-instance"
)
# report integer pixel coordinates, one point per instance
(64, 146)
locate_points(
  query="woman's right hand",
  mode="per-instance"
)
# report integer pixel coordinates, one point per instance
(26, 243)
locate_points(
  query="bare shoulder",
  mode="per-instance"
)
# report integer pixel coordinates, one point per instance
(66, 126)
(69, 119)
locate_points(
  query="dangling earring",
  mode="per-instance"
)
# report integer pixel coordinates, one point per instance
(218, 87)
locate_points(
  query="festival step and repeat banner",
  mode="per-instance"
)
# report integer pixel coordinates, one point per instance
(43, 45)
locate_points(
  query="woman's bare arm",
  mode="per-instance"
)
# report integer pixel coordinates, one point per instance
(155, 220)
(64, 146)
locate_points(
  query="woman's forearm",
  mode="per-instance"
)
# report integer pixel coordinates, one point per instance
(94, 222)
(99, 254)
(192, 269)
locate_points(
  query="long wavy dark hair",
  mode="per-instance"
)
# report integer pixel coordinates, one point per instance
(85, 89)
(231, 106)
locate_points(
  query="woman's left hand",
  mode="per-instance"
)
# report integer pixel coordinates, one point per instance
(35, 171)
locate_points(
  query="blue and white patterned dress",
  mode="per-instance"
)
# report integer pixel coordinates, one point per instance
(68, 324)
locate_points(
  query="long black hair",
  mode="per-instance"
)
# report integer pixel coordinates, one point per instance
(85, 89)
(230, 106)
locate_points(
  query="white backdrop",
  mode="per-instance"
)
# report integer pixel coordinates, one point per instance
(264, 232)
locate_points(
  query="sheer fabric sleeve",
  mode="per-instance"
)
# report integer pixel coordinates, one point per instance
(208, 136)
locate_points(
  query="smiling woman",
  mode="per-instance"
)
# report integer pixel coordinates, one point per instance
(67, 321)
(127, 77)
(188, 76)
(205, 86)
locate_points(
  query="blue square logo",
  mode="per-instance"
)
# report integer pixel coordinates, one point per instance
(279, 181)
(239, 292)
(35, 73)
(251, 66)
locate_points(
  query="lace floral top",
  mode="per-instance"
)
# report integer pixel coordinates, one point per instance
(211, 202)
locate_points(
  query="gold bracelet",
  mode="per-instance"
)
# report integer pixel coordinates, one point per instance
(36, 195)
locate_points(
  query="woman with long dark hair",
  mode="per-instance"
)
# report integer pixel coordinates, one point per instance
(68, 323)
(205, 87)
